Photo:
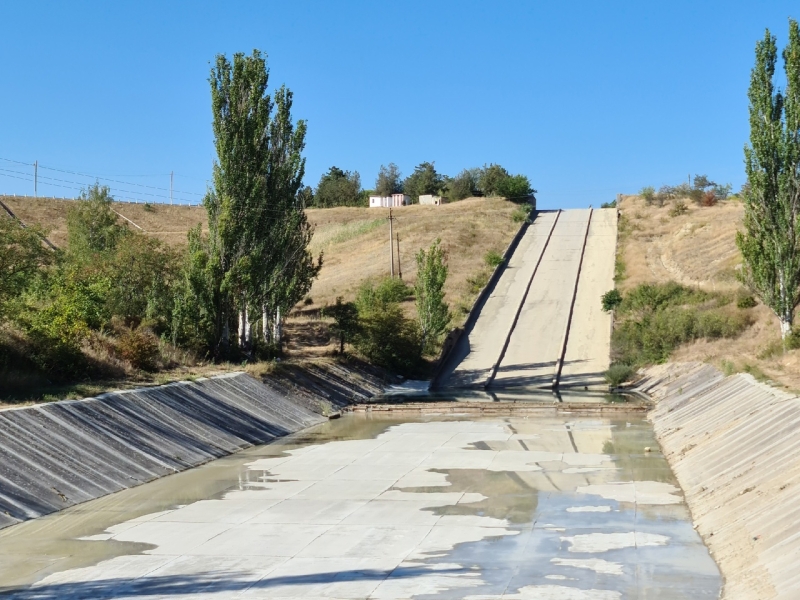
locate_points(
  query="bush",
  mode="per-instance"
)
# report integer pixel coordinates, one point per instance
(648, 194)
(654, 319)
(140, 348)
(384, 336)
(522, 213)
(493, 259)
(612, 204)
(611, 300)
(678, 209)
(710, 198)
(618, 374)
(476, 283)
(388, 290)
(745, 300)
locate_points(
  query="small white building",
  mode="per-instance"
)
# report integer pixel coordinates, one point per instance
(430, 200)
(392, 201)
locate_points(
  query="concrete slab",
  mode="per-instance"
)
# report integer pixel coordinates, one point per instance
(459, 516)
(589, 346)
(479, 350)
(535, 343)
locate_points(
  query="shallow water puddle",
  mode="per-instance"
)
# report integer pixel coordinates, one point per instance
(364, 507)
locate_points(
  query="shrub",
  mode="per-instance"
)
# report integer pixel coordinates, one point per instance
(648, 194)
(140, 348)
(654, 319)
(476, 283)
(388, 290)
(612, 204)
(745, 300)
(617, 374)
(710, 198)
(678, 209)
(493, 259)
(387, 338)
(521, 213)
(611, 300)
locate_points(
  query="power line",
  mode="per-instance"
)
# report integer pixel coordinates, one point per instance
(98, 177)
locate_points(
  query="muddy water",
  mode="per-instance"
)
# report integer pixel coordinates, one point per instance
(363, 507)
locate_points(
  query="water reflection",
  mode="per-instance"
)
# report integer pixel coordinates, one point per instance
(459, 508)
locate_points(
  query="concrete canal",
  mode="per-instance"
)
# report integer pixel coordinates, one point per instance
(552, 507)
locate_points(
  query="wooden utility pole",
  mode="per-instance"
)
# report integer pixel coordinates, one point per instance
(391, 241)
(399, 265)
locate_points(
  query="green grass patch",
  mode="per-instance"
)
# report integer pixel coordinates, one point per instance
(346, 232)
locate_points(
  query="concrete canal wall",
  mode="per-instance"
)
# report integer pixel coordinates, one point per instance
(734, 445)
(56, 455)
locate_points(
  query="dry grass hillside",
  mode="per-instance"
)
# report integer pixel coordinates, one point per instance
(698, 249)
(168, 223)
(354, 242)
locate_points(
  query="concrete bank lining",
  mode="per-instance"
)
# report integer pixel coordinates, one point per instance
(56, 455)
(734, 445)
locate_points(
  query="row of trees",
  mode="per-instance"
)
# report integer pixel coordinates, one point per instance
(343, 188)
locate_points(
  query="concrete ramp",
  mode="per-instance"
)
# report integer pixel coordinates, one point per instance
(542, 324)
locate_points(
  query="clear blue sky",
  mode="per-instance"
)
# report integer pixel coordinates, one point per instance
(586, 98)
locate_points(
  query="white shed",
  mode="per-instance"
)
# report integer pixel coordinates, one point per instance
(389, 201)
(430, 200)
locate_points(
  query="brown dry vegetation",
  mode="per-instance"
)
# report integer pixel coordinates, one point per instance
(698, 249)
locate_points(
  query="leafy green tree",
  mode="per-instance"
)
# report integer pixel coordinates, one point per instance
(338, 188)
(463, 185)
(142, 273)
(195, 294)
(770, 243)
(432, 311)
(92, 225)
(424, 180)
(305, 197)
(345, 321)
(22, 256)
(515, 187)
(491, 180)
(389, 180)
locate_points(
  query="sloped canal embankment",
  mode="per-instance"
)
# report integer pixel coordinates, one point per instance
(56, 455)
(734, 445)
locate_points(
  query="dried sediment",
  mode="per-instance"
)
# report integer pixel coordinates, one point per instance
(734, 445)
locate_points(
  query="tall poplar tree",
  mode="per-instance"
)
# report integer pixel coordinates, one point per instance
(259, 264)
(770, 244)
